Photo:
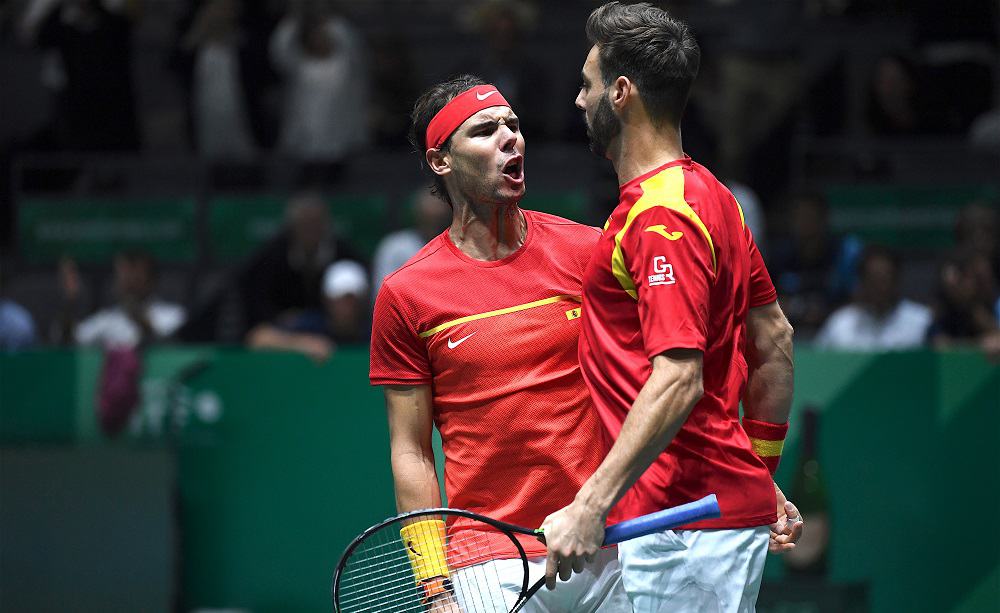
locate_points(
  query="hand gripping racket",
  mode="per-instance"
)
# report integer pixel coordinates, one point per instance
(451, 561)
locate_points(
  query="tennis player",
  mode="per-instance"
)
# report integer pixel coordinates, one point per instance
(679, 323)
(478, 334)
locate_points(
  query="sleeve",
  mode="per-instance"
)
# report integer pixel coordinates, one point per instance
(398, 354)
(670, 261)
(761, 288)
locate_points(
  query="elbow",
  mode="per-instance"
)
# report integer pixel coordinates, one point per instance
(692, 386)
(785, 335)
(696, 390)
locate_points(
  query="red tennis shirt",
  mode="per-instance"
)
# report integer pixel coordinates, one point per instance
(676, 267)
(497, 341)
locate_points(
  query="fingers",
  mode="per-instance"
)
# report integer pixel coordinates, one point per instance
(781, 542)
(791, 510)
(563, 567)
(778, 527)
(570, 566)
(551, 566)
(795, 532)
(779, 548)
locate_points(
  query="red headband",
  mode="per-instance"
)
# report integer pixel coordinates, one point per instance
(461, 107)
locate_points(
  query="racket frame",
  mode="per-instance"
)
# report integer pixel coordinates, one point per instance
(502, 526)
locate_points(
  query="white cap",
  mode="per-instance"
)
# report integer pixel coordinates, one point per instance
(345, 277)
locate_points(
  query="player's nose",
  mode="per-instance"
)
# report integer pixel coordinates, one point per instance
(508, 138)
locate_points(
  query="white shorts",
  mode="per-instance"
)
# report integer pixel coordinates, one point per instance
(597, 589)
(708, 571)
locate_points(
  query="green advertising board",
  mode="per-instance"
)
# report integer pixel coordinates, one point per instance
(238, 225)
(903, 216)
(93, 230)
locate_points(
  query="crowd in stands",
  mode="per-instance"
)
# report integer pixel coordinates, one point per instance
(311, 81)
(308, 290)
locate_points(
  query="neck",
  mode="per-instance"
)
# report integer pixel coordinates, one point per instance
(487, 232)
(641, 147)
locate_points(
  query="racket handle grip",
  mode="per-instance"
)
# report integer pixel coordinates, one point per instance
(706, 508)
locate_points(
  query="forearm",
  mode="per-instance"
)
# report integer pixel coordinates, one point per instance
(656, 416)
(769, 389)
(411, 454)
(770, 380)
(415, 479)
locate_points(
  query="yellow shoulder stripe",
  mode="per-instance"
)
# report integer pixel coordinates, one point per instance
(664, 189)
(513, 309)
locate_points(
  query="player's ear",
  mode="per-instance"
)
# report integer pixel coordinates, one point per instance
(620, 91)
(438, 161)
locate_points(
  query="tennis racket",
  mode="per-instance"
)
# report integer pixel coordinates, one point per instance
(448, 560)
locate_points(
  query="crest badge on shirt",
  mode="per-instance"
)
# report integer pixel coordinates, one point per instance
(663, 273)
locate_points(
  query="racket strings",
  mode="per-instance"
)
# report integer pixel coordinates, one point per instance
(381, 574)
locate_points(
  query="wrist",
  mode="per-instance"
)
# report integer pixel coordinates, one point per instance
(594, 499)
(767, 441)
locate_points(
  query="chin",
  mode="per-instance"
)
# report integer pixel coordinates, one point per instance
(509, 197)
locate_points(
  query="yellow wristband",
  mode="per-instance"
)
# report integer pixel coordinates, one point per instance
(424, 541)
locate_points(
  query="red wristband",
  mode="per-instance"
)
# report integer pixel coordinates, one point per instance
(767, 440)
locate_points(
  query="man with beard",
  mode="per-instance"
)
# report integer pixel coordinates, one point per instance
(680, 321)
(477, 334)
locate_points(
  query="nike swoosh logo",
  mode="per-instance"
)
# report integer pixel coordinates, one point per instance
(486, 95)
(662, 231)
(452, 345)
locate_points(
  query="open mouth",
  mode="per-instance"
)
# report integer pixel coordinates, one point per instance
(514, 168)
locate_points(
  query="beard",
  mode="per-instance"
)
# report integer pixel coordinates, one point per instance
(604, 128)
(481, 184)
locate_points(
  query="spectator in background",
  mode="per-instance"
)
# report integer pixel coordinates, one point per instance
(320, 56)
(17, 327)
(984, 133)
(760, 79)
(500, 26)
(978, 229)
(317, 332)
(753, 212)
(286, 274)
(966, 308)
(878, 319)
(394, 88)
(813, 270)
(431, 215)
(894, 98)
(220, 58)
(137, 317)
(96, 100)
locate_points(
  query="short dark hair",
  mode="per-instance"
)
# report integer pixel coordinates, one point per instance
(426, 107)
(654, 50)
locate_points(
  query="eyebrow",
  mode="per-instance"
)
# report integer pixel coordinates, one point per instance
(490, 122)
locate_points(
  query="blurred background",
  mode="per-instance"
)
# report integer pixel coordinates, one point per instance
(199, 199)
